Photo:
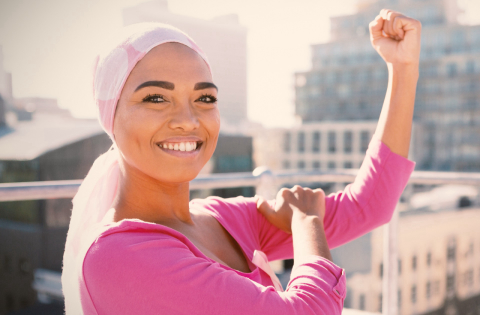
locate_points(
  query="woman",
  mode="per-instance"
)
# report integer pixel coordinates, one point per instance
(136, 245)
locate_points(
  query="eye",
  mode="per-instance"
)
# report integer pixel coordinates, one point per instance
(207, 98)
(154, 98)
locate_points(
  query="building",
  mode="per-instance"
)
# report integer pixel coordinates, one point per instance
(315, 145)
(33, 232)
(348, 80)
(223, 40)
(5, 80)
(321, 145)
(438, 267)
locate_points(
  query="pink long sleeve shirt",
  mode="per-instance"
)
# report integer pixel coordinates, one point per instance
(136, 267)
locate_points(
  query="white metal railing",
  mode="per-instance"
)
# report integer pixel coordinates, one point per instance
(267, 184)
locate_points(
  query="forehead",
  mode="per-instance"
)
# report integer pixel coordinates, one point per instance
(171, 61)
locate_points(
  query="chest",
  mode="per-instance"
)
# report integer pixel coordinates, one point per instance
(215, 242)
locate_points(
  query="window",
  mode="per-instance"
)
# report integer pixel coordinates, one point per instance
(347, 141)
(380, 302)
(399, 267)
(332, 165)
(399, 298)
(469, 278)
(361, 302)
(286, 141)
(414, 263)
(332, 139)
(429, 259)
(451, 70)
(381, 270)
(301, 142)
(450, 283)
(347, 164)
(414, 294)
(470, 66)
(451, 253)
(301, 165)
(364, 140)
(8, 263)
(286, 165)
(316, 141)
(428, 290)
(316, 165)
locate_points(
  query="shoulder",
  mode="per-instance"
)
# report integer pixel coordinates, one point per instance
(237, 209)
(132, 261)
(133, 243)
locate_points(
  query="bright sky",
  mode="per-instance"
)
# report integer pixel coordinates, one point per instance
(49, 45)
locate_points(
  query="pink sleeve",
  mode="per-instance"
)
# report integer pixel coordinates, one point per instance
(362, 206)
(152, 274)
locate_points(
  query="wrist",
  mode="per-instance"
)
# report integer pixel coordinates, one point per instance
(410, 70)
(309, 219)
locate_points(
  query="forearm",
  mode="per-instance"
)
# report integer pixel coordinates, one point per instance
(395, 123)
(309, 237)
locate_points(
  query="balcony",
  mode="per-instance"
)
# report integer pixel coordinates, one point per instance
(47, 283)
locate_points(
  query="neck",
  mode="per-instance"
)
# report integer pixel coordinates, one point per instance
(143, 197)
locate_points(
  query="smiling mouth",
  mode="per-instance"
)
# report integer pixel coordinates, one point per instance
(187, 146)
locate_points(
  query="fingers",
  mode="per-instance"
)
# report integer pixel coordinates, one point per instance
(393, 24)
(376, 27)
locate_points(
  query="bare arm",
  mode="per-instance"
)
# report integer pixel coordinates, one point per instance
(397, 39)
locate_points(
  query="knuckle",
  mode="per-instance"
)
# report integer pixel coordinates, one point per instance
(283, 191)
(296, 188)
(320, 192)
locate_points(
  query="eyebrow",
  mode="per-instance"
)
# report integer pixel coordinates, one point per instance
(170, 86)
(161, 84)
(204, 85)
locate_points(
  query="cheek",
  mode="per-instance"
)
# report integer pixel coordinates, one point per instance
(135, 128)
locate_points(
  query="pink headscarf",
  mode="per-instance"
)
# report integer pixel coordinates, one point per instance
(98, 190)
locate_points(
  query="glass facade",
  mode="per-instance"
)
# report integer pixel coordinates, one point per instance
(348, 81)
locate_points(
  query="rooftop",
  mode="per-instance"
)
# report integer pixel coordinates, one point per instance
(28, 140)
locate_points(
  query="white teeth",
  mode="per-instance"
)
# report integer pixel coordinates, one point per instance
(180, 146)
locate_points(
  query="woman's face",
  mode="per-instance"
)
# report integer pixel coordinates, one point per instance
(167, 121)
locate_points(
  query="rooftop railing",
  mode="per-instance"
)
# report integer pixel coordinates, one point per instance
(267, 184)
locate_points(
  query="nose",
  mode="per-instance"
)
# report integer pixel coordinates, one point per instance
(183, 117)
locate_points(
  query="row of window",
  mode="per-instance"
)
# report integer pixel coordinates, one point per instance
(414, 263)
(332, 145)
(316, 165)
(8, 265)
(452, 69)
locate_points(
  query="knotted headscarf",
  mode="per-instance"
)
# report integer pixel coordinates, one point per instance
(98, 190)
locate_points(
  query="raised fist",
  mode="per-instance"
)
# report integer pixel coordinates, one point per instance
(396, 37)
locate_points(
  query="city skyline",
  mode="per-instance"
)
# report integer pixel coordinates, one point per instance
(39, 54)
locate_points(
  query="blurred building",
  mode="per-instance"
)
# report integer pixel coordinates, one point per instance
(348, 80)
(33, 233)
(320, 145)
(5, 80)
(315, 145)
(223, 40)
(438, 267)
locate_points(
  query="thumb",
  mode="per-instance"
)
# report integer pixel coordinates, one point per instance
(264, 207)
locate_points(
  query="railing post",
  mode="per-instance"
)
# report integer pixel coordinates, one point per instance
(266, 186)
(390, 267)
